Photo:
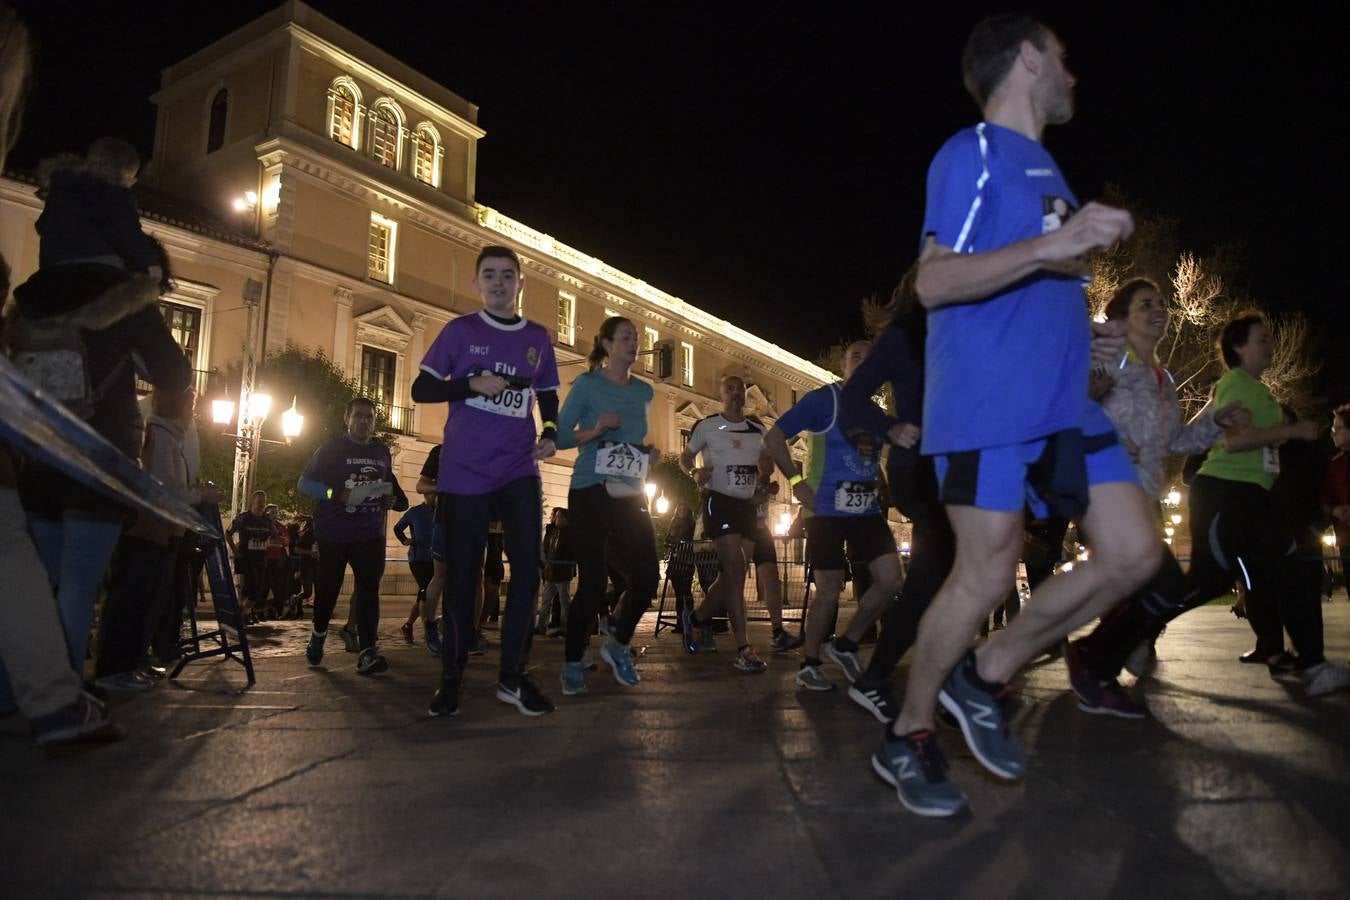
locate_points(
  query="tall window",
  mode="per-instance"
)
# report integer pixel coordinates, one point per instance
(794, 396)
(215, 129)
(687, 365)
(185, 324)
(567, 318)
(342, 122)
(649, 339)
(383, 234)
(385, 126)
(426, 168)
(377, 376)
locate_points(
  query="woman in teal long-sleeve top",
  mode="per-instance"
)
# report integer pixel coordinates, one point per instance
(605, 415)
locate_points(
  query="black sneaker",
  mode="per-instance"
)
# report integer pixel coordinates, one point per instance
(370, 661)
(86, 719)
(446, 701)
(875, 696)
(522, 693)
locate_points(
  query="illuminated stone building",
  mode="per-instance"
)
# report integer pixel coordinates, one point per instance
(345, 183)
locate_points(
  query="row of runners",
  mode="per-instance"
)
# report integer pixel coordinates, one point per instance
(988, 356)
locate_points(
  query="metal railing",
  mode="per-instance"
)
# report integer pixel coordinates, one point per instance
(398, 419)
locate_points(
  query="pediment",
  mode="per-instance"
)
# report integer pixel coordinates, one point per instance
(385, 318)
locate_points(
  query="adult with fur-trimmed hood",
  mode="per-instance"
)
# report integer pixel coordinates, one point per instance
(92, 306)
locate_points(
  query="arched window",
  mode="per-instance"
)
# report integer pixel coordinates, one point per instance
(344, 113)
(215, 129)
(427, 158)
(386, 128)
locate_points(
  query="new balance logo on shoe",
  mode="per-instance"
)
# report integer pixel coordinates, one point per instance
(983, 715)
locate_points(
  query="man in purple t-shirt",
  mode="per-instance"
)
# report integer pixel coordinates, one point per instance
(491, 367)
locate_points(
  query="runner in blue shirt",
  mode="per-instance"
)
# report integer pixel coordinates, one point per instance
(421, 520)
(1006, 413)
(839, 493)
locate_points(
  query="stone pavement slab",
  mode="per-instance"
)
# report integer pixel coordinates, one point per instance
(700, 782)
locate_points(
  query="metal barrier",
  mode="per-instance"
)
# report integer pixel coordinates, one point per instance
(694, 563)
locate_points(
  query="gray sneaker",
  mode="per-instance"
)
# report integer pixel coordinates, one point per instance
(813, 679)
(785, 641)
(915, 767)
(1325, 678)
(1137, 662)
(979, 713)
(847, 661)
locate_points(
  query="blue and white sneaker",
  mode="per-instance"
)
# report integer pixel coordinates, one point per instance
(979, 713)
(574, 679)
(915, 767)
(432, 633)
(688, 633)
(620, 659)
(314, 650)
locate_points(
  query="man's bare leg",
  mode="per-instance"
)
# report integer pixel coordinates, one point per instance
(819, 618)
(1125, 554)
(886, 579)
(728, 591)
(987, 545)
(770, 593)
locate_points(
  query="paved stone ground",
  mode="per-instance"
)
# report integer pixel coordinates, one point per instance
(699, 783)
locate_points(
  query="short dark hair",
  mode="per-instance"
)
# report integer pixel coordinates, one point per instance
(992, 47)
(1118, 307)
(1236, 332)
(358, 401)
(116, 153)
(497, 251)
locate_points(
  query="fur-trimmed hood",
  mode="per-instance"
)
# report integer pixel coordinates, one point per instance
(112, 306)
(78, 166)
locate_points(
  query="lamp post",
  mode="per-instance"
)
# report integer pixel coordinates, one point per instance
(248, 438)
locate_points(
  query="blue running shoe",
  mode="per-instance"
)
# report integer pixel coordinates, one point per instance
(314, 650)
(915, 767)
(979, 712)
(574, 679)
(621, 661)
(689, 633)
(432, 633)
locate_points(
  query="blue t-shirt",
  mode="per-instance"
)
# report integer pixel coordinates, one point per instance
(842, 473)
(1014, 367)
(421, 519)
(616, 452)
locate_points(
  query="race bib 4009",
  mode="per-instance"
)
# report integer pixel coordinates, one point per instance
(618, 460)
(855, 496)
(511, 402)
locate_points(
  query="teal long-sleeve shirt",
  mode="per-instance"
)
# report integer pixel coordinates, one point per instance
(592, 394)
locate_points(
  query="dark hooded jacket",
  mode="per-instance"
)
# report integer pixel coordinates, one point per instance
(88, 215)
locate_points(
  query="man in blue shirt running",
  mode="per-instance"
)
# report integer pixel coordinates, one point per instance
(838, 491)
(1006, 412)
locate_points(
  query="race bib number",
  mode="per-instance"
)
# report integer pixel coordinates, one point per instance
(1270, 460)
(742, 476)
(257, 544)
(855, 496)
(619, 460)
(511, 402)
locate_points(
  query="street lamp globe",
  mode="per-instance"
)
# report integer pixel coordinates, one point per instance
(1176, 518)
(291, 422)
(259, 405)
(662, 505)
(1174, 497)
(650, 489)
(222, 411)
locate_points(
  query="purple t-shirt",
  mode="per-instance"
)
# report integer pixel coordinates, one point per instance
(490, 441)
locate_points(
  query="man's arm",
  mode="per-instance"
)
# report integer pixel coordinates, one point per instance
(947, 277)
(776, 444)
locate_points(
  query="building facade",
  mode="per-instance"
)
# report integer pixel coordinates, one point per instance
(344, 182)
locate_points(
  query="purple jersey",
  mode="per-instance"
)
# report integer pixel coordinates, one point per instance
(490, 441)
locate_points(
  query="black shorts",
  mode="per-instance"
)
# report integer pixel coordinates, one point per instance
(765, 551)
(868, 538)
(723, 515)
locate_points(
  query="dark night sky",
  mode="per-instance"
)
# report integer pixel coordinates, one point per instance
(768, 165)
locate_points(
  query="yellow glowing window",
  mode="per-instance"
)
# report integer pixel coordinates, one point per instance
(687, 365)
(567, 318)
(649, 339)
(381, 260)
(384, 137)
(343, 125)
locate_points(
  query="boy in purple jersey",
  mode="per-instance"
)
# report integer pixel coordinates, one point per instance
(491, 367)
